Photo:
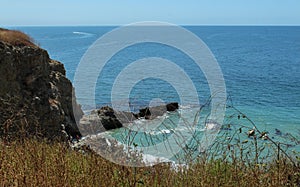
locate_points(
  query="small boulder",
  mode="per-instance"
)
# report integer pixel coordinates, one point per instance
(108, 118)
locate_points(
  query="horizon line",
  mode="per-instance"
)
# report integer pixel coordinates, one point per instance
(183, 25)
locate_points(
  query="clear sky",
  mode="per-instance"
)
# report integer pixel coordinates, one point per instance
(118, 12)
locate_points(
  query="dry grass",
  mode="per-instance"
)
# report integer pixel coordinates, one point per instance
(38, 163)
(16, 38)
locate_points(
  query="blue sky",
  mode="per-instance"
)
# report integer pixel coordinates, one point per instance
(118, 12)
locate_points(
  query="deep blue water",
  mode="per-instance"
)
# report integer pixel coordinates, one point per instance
(260, 64)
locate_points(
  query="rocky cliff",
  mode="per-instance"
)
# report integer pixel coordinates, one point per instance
(36, 98)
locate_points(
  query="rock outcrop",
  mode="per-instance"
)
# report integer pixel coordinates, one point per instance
(106, 118)
(36, 98)
(153, 112)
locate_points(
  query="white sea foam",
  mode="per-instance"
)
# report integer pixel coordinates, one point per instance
(163, 131)
(185, 107)
(151, 159)
(108, 142)
(211, 126)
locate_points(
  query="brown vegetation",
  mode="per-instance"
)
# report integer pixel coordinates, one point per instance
(16, 38)
(35, 163)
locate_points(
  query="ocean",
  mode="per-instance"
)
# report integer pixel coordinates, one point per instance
(260, 65)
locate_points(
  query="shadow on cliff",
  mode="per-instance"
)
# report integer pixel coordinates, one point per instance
(35, 96)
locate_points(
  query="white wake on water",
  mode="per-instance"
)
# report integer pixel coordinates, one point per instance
(83, 34)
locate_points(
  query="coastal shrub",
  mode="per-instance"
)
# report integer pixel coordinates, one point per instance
(16, 38)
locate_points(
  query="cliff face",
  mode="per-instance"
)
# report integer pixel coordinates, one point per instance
(35, 95)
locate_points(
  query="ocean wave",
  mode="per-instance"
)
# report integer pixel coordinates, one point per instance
(164, 131)
(212, 126)
(152, 160)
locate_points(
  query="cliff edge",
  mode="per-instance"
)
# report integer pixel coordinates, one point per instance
(36, 98)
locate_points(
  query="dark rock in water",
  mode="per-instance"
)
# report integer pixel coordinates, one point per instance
(106, 118)
(278, 132)
(153, 112)
(172, 106)
(144, 112)
(36, 98)
(226, 127)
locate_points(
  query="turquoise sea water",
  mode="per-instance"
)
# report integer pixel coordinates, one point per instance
(260, 64)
